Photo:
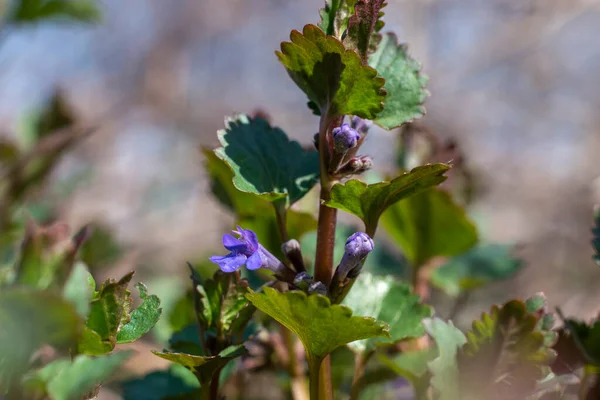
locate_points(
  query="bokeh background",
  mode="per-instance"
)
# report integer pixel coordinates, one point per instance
(514, 82)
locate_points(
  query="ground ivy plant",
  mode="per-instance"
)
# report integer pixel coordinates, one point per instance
(334, 310)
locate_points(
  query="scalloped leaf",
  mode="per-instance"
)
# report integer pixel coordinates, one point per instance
(143, 318)
(73, 380)
(404, 83)
(385, 299)
(251, 211)
(505, 353)
(368, 202)
(265, 161)
(444, 368)
(363, 26)
(321, 326)
(204, 367)
(334, 78)
(29, 319)
(477, 267)
(428, 225)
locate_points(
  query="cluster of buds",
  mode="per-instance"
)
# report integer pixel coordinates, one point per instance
(345, 140)
(246, 250)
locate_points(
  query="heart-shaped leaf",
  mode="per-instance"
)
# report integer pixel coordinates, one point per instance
(334, 78)
(404, 83)
(428, 225)
(475, 268)
(444, 368)
(143, 318)
(321, 326)
(29, 319)
(265, 161)
(204, 367)
(368, 202)
(387, 300)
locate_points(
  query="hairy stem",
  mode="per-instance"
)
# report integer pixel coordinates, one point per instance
(281, 217)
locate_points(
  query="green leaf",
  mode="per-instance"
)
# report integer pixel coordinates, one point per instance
(321, 326)
(109, 310)
(79, 289)
(444, 368)
(143, 318)
(368, 202)
(223, 306)
(72, 380)
(91, 343)
(204, 367)
(28, 11)
(429, 225)
(578, 344)
(505, 353)
(403, 82)
(265, 162)
(334, 78)
(161, 384)
(335, 16)
(30, 319)
(477, 267)
(222, 187)
(387, 300)
(363, 25)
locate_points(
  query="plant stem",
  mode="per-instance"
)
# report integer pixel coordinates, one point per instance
(281, 217)
(214, 385)
(360, 362)
(314, 368)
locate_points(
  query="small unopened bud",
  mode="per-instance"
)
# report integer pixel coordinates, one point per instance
(303, 281)
(293, 252)
(318, 288)
(360, 125)
(344, 138)
(367, 163)
(358, 246)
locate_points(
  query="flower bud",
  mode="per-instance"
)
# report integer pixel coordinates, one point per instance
(360, 125)
(293, 252)
(318, 288)
(358, 246)
(303, 280)
(344, 138)
(366, 163)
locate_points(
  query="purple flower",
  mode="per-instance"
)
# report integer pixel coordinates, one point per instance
(358, 246)
(344, 138)
(243, 250)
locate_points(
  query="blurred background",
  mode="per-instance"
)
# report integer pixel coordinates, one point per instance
(513, 82)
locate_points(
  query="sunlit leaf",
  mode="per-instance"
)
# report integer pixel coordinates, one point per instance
(334, 78)
(79, 289)
(321, 326)
(387, 300)
(143, 318)
(428, 225)
(204, 367)
(368, 202)
(265, 161)
(403, 82)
